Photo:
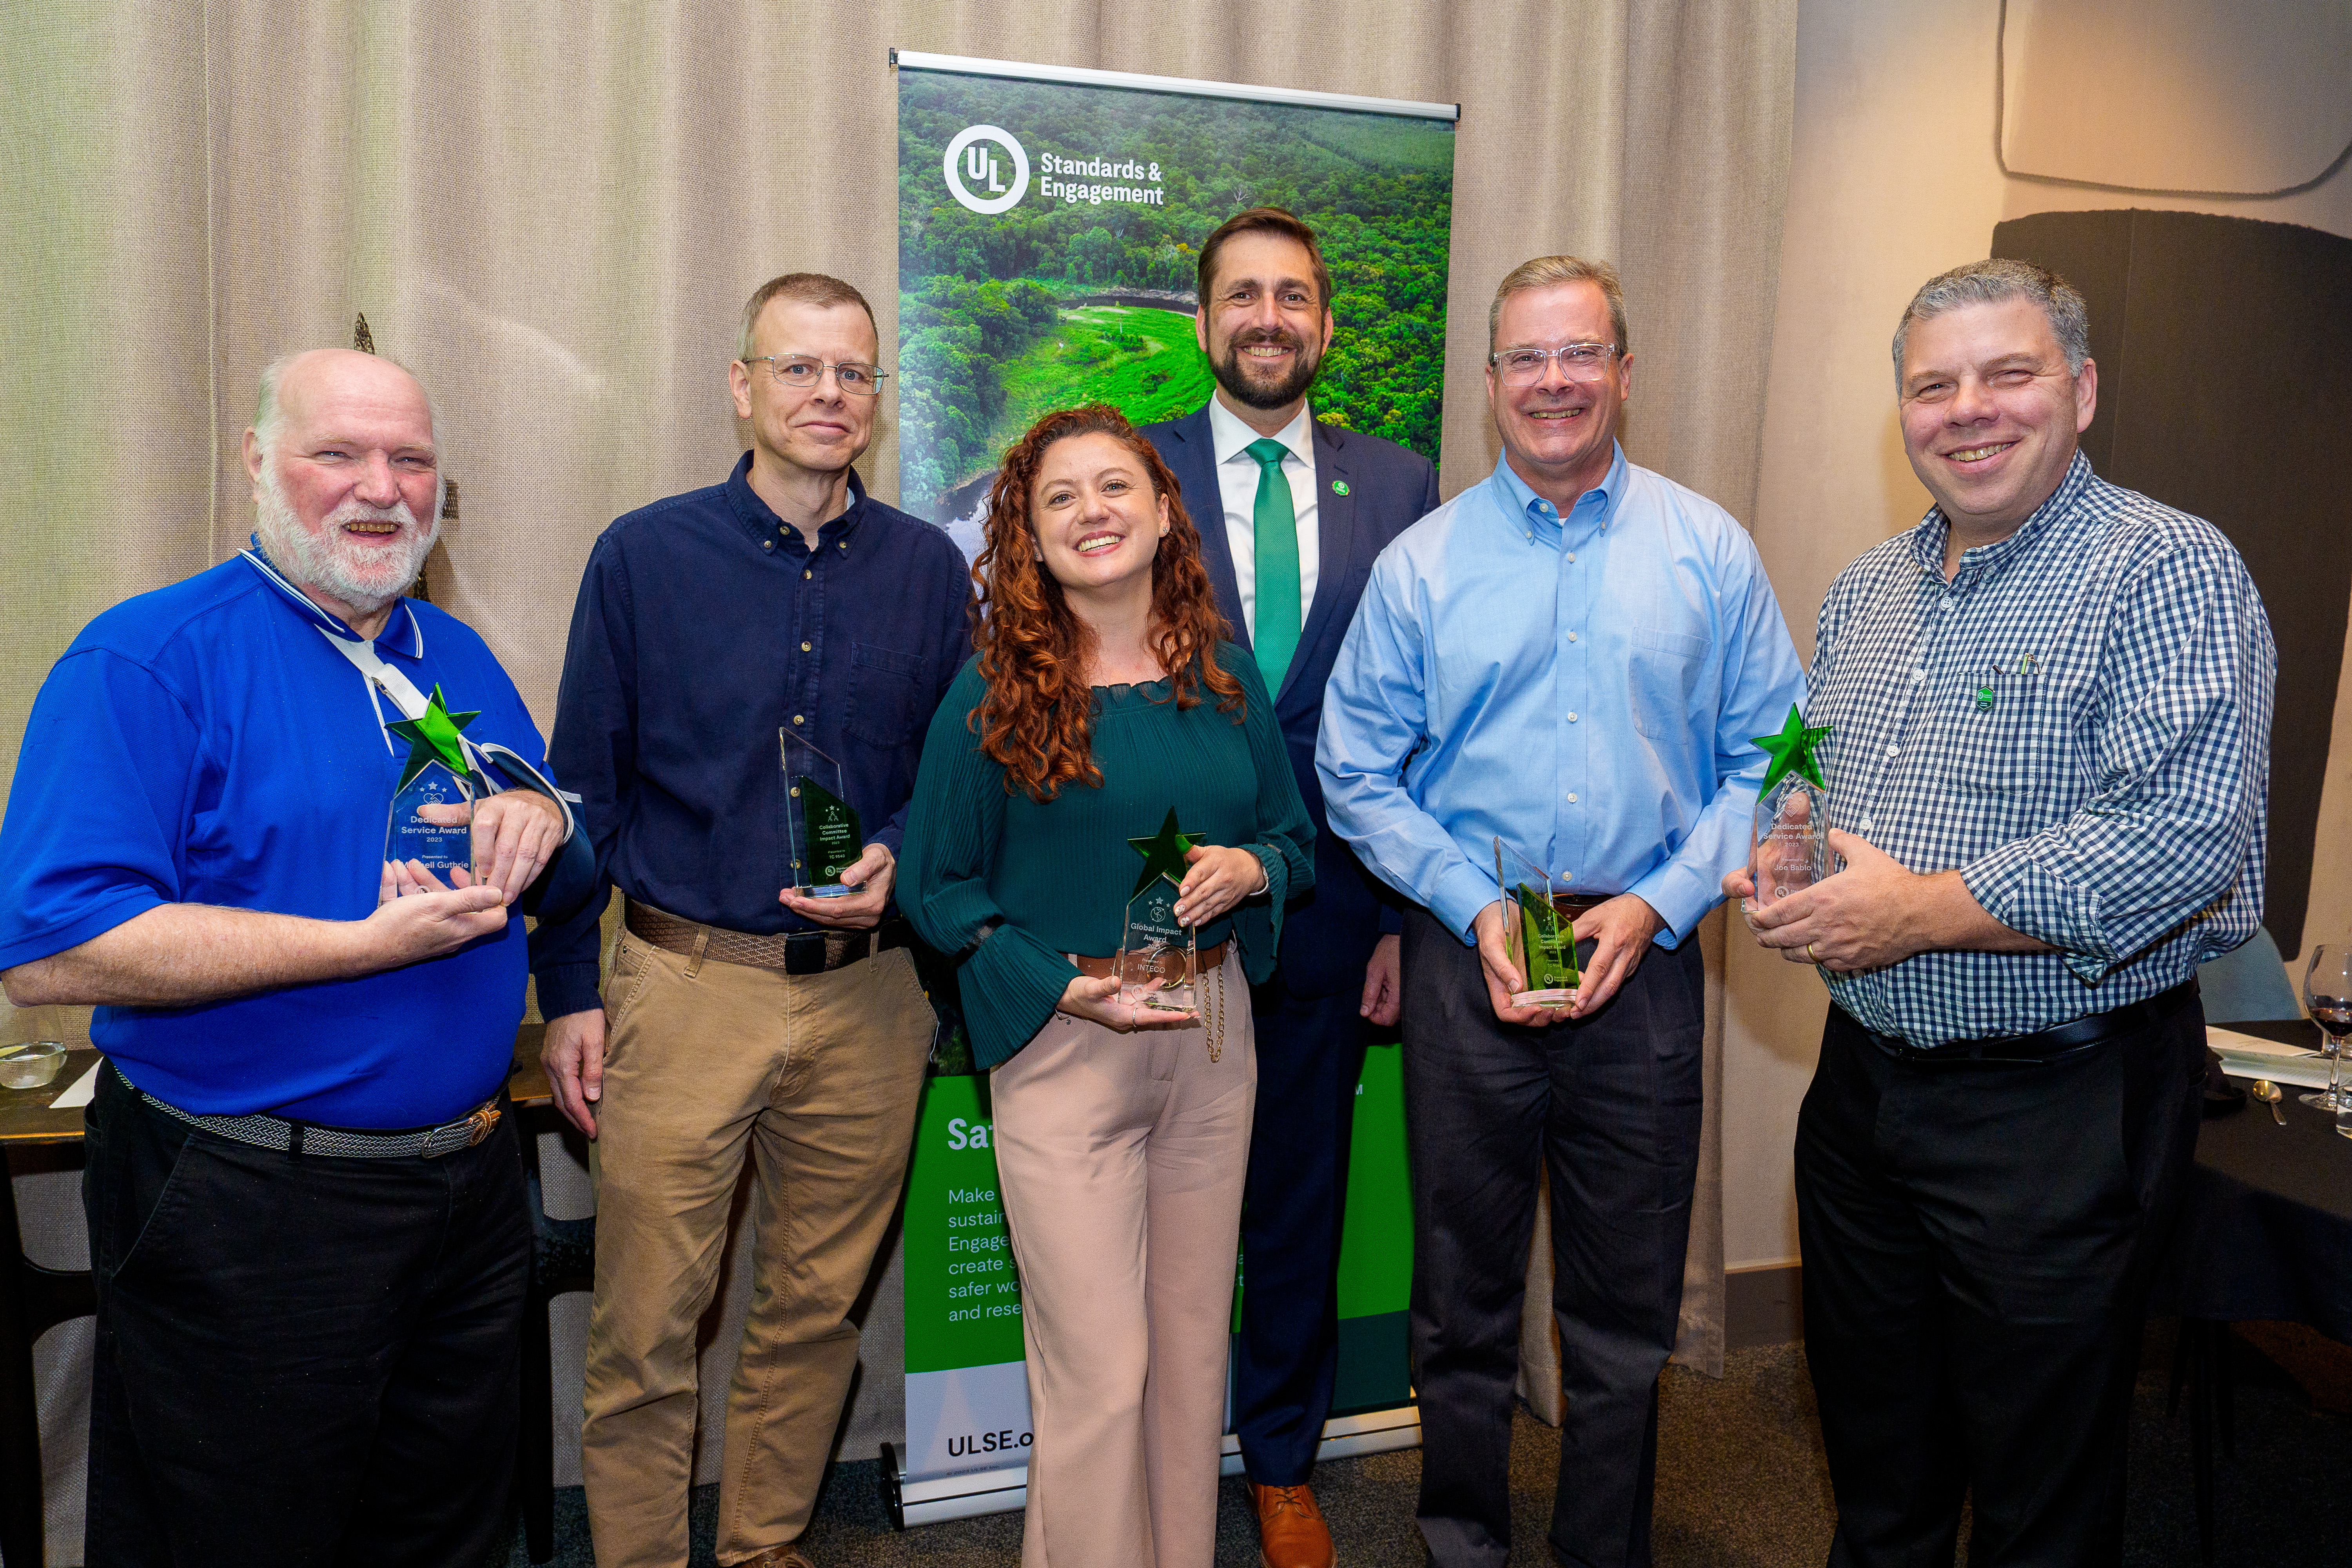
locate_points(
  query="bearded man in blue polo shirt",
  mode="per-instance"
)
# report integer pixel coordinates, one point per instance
(307, 1220)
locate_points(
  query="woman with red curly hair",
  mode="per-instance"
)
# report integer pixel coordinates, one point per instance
(1103, 696)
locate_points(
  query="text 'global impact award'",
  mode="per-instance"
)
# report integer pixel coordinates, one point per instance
(432, 817)
(820, 826)
(1538, 935)
(1790, 846)
(1156, 956)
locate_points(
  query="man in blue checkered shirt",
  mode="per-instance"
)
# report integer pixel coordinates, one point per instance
(2049, 709)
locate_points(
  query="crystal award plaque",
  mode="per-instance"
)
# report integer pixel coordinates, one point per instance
(1789, 845)
(1540, 938)
(821, 827)
(432, 822)
(1158, 956)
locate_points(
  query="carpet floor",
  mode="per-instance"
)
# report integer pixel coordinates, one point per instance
(1741, 1484)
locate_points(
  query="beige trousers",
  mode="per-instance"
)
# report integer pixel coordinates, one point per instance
(814, 1080)
(1121, 1159)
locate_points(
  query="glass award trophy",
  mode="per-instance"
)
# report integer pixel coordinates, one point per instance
(432, 817)
(1540, 938)
(1158, 958)
(821, 827)
(432, 823)
(1790, 841)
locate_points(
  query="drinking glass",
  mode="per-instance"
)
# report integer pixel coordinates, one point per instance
(2327, 992)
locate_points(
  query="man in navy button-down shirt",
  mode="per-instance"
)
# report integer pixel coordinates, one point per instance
(1571, 658)
(748, 1018)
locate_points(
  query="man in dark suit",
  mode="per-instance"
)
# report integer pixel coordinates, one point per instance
(1291, 512)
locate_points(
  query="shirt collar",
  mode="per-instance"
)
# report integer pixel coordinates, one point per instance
(760, 522)
(400, 634)
(1531, 514)
(1229, 438)
(1928, 540)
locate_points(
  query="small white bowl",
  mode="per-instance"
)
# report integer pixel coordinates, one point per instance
(31, 1067)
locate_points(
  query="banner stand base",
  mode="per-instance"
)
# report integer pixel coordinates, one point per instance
(965, 1494)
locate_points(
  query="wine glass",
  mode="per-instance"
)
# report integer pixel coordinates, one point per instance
(2327, 992)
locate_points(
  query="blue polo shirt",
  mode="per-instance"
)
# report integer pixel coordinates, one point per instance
(204, 743)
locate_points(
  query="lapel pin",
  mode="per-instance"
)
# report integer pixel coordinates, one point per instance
(1339, 486)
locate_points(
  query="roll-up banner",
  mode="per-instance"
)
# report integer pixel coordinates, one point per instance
(1049, 225)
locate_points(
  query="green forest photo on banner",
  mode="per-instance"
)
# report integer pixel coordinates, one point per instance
(1048, 236)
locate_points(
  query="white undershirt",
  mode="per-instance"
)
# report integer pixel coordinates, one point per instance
(1237, 474)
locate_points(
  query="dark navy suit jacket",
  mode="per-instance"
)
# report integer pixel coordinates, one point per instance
(1367, 491)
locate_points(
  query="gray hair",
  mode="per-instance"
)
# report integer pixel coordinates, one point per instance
(1547, 270)
(1994, 282)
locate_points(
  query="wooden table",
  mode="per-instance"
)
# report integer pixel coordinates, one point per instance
(33, 1300)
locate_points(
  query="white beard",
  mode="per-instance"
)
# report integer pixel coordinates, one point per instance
(365, 578)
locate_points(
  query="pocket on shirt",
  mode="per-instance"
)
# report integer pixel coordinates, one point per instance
(1663, 672)
(2003, 741)
(883, 685)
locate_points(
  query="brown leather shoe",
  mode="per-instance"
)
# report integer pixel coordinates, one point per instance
(1290, 1529)
(779, 1557)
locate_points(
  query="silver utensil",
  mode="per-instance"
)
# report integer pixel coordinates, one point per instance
(2270, 1094)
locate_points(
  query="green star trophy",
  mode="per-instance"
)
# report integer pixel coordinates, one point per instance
(1539, 937)
(432, 817)
(820, 826)
(1789, 842)
(1158, 958)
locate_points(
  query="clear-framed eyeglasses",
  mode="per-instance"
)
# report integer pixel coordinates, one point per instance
(1577, 362)
(803, 374)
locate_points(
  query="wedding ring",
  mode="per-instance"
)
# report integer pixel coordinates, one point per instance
(1811, 954)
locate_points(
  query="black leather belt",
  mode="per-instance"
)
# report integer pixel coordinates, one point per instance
(2050, 1045)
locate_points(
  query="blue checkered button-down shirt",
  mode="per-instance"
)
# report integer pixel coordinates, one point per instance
(2079, 722)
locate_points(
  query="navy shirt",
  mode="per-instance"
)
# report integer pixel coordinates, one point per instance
(704, 626)
(204, 743)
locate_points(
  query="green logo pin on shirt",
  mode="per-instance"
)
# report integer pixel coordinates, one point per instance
(1984, 699)
(1339, 486)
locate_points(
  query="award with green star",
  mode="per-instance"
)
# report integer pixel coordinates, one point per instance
(1158, 956)
(1538, 935)
(432, 820)
(1789, 847)
(821, 827)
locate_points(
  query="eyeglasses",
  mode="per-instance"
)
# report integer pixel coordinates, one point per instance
(803, 375)
(1577, 362)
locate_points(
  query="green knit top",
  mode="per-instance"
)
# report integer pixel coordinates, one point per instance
(1042, 879)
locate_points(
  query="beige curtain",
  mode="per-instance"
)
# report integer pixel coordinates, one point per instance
(553, 214)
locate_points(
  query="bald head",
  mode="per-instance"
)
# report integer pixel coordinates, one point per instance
(346, 479)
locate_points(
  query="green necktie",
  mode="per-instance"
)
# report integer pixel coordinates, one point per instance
(1275, 528)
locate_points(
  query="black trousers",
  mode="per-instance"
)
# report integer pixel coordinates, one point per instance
(300, 1359)
(1610, 1106)
(1310, 1055)
(1978, 1243)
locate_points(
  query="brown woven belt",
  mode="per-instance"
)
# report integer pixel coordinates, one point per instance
(1104, 968)
(793, 953)
(1575, 904)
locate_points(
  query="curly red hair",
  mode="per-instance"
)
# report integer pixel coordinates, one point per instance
(1037, 718)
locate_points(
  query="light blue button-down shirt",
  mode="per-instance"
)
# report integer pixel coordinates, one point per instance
(1585, 690)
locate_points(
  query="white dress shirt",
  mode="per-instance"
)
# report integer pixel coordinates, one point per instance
(1237, 474)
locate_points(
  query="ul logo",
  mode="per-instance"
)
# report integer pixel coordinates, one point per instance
(985, 178)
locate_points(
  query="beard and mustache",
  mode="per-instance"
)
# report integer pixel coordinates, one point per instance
(365, 576)
(1232, 370)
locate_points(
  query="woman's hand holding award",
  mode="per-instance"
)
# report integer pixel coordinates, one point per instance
(1158, 957)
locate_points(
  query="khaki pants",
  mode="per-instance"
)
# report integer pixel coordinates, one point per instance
(1121, 1159)
(814, 1077)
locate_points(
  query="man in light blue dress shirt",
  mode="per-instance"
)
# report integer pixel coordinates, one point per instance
(1570, 658)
